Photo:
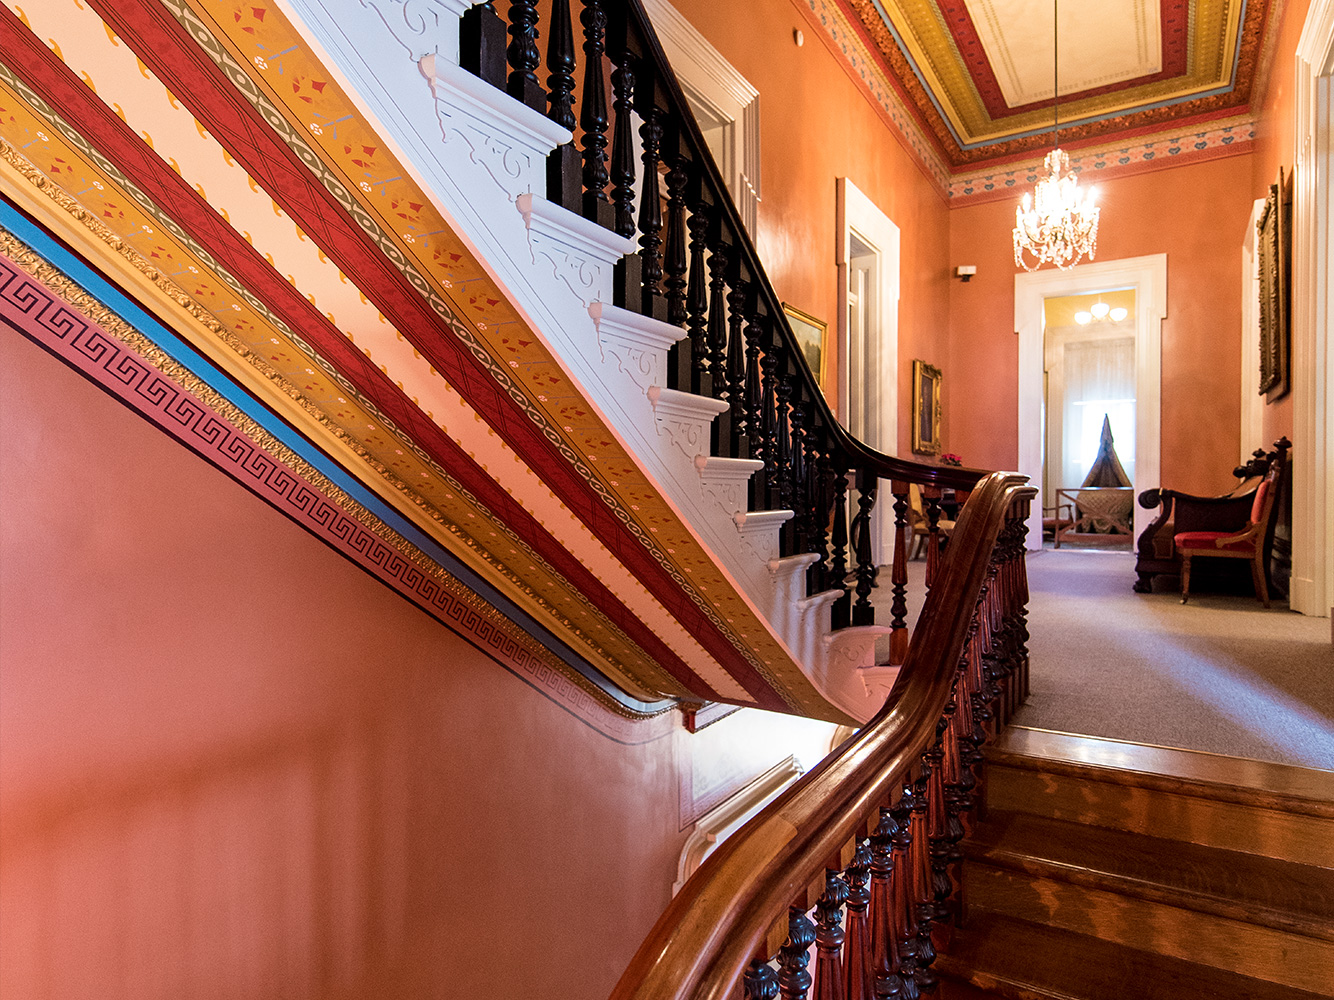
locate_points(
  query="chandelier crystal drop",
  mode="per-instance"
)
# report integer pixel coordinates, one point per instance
(1058, 223)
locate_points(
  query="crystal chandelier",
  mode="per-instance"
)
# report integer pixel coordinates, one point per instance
(1058, 223)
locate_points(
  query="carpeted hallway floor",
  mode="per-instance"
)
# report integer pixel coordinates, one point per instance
(1220, 674)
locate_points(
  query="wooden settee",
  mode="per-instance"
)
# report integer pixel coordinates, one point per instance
(1182, 512)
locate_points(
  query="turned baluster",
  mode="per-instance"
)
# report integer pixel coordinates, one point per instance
(898, 607)
(822, 479)
(735, 364)
(593, 116)
(769, 420)
(759, 982)
(523, 56)
(829, 938)
(800, 492)
(841, 612)
(482, 43)
(697, 303)
(862, 611)
(753, 396)
(564, 185)
(794, 982)
(717, 328)
(884, 941)
(923, 894)
(674, 256)
(937, 820)
(650, 203)
(784, 436)
(857, 957)
(931, 497)
(903, 906)
(623, 147)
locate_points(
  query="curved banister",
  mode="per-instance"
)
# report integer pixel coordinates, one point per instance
(725, 913)
(860, 455)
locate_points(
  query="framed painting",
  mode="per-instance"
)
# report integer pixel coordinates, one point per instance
(925, 408)
(1274, 238)
(813, 338)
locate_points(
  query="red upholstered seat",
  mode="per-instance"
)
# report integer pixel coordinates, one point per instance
(1208, 540)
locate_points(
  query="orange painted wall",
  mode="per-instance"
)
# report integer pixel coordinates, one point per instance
(816, 126)
(1193, 213)
(234, 765)
(1276, 147)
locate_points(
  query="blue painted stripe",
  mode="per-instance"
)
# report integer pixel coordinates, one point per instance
(180, 351)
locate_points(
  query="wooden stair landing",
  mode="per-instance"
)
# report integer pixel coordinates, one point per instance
(1106, 869)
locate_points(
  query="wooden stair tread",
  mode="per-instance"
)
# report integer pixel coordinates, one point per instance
(1303, 790)
(1023, 960)
(1266, 891)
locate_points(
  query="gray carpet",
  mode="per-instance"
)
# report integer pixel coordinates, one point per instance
(1220, 674)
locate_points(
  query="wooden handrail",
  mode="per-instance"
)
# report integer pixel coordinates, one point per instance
(727, 911)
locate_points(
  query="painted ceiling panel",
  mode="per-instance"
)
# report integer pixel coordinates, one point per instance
(1124, 43)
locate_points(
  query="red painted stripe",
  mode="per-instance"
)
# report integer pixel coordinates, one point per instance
(165, 47)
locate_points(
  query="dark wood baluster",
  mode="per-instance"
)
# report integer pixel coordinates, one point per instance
(623, 148)
(884, 949)
(593, 116)
(524, 57)
(759, 982)
(923, 894)
(931, 498)
(738, 297)
(769, 417)
(783, 423)
(829, 937)
(822, 481)
(841, 613)
(697, 302)
(650, 205)
(937, 819)
(564, 184)
(717, 328)
(862, 611)
(904, 906)
(799, 490)
(674, 253)
(794, 982)
(898, 608)
(754, 400)
(857, 958)
(482, 43)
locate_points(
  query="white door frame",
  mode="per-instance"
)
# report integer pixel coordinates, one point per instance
(1148, 276)
(1252, 405)
(858, 214)
(1312, 583)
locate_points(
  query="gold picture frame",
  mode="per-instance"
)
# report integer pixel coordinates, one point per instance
(1274, 239)
(925, 408)
(813, 339)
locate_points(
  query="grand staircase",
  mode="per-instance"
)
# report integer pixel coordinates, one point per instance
(1105, 869)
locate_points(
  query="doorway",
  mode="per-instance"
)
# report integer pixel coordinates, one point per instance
(1148, 277)
(1089, 414)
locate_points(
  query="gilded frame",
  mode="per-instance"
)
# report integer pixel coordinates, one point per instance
(925, 408)
(1274, 238)
(813, 338)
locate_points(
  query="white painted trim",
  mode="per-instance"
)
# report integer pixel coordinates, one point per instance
(1148, 276)
(715, 86)
(1312, 584)
(730, 815)
(856, 213)
(1252, 404)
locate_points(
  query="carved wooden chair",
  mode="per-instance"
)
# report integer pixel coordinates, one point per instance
(920, 524)
(1248, 543)
(1180, 513)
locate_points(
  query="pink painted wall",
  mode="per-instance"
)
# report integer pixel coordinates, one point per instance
(1196, 215)
(816, 125)
(1276, 147)
(233, 765)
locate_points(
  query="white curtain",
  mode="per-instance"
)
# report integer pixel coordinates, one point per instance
(1099, 381)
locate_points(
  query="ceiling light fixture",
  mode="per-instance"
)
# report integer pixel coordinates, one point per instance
(1100, 310)
(1056, 224)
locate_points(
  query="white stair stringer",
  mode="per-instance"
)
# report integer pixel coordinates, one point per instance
(852, 679)
(480, 156)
